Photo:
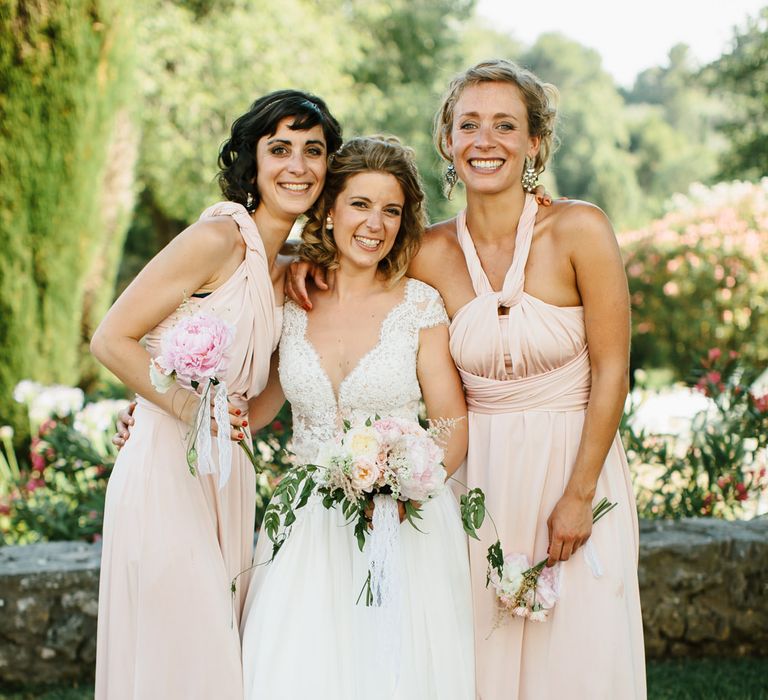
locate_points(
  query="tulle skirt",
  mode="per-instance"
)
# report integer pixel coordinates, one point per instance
(304, 635)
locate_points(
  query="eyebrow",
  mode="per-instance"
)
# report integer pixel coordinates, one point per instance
(288, 142)
(498, 115)
(360, 196)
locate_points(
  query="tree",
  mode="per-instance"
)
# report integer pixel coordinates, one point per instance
(66, 158)
(593, 162)
(741, 77)
(672, 122)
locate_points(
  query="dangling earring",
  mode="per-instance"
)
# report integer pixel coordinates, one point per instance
(451, 178)
(530, 177)
(328, 223)
(248, 201)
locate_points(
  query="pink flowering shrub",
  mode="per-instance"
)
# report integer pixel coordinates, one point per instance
(698, 278)
(58, 494)
(720, 469)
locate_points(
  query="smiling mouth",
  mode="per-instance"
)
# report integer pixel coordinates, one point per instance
(295, 186)
(368, 243)
(486, 164)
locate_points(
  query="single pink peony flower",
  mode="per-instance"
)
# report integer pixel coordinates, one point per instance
(195, 348)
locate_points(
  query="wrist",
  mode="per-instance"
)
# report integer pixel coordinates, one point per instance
(582, 491)
(183, 407)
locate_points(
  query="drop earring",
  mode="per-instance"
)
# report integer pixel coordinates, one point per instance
(530, 177)
(451, 178)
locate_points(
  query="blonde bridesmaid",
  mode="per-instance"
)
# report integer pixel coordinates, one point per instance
(540, 335)
(168, 627)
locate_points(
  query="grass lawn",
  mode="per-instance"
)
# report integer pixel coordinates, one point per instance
(690, 679)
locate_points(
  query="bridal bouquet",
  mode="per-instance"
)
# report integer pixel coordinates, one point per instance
(529, 591)
(378, 466)
(193, 352)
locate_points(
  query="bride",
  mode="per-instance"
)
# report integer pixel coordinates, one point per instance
(374, 345)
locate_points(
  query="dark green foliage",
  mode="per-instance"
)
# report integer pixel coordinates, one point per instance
(741, 78)
(62, 81)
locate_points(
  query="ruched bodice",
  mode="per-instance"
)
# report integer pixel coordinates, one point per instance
(247, 301)
(517, 360)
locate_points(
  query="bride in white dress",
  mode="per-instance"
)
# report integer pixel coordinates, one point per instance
(375, 344)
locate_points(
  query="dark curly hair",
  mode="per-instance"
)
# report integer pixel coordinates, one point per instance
(383, 154)
(237, 157)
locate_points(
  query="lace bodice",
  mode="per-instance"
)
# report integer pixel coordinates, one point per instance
(383, 382)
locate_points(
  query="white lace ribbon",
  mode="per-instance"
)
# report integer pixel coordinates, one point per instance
(593, 561)
(205, 462)
(383, 548)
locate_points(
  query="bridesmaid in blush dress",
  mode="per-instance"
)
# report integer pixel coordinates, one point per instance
(168, 626)
(540, 335)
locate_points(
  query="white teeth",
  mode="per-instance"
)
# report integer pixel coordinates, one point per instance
(486, 164)
(370, 243)
(295, 187)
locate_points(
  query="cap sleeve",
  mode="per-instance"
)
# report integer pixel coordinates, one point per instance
(430, 310)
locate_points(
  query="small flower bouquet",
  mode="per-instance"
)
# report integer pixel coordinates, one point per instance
(529, 591)
(193, 352)
(375, 466)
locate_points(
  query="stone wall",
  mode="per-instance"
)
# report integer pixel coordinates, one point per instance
(704, 588)
(48, 606)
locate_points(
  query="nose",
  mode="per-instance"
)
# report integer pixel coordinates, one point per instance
(483, 137)
(297, 164)
(374, 220)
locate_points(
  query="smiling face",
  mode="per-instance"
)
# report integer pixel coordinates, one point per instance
(489, 137)
(291, 169)
(366, 218)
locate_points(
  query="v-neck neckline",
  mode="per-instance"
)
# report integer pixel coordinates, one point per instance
(336, 391)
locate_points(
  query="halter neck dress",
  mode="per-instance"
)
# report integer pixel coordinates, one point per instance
(173, 542)
(527, 381)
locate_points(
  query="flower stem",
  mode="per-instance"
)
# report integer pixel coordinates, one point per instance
(251, 456)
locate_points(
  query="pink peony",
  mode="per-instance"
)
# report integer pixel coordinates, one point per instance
(424, 475)
(195, 348)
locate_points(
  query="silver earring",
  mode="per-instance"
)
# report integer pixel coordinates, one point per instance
(530, 177)
(451, 178)
(248, 201)
(328, 223)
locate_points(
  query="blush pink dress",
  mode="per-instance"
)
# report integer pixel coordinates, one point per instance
(173, 542)
(527, 382)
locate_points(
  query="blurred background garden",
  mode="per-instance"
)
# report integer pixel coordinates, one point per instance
(111, 115)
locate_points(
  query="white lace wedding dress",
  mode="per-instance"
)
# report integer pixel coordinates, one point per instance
(303, 634)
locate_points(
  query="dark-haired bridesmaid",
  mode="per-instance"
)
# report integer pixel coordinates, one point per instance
(173, 541)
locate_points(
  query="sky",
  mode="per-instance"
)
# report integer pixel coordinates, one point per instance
(630, 36)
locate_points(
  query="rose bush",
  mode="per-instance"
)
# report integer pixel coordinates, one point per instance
(698, 278)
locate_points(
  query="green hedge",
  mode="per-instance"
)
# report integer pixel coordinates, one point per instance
(63, 82)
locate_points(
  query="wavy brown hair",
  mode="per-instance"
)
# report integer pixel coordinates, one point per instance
(237, 156)
(540, 100)
(382, 154)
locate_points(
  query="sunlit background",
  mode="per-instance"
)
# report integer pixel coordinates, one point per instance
(111, 116)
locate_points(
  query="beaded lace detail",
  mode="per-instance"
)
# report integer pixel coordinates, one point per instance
(383, 382)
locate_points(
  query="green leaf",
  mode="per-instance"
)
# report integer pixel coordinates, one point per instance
(495, 559)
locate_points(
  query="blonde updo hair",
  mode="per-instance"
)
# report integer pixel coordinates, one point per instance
(540, 101)
(382, 154)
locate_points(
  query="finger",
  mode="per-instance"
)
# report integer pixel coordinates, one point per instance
(299, 285)
(236, 435)
(555, 547)
(566, 551)
(320, 277)
(118, 441)
(542, 196)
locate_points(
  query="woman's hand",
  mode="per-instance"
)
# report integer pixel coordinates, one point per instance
(123, 426)
(238, 421)
(400, 511)
(570, 526)
(296, 281)
(542, 196)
